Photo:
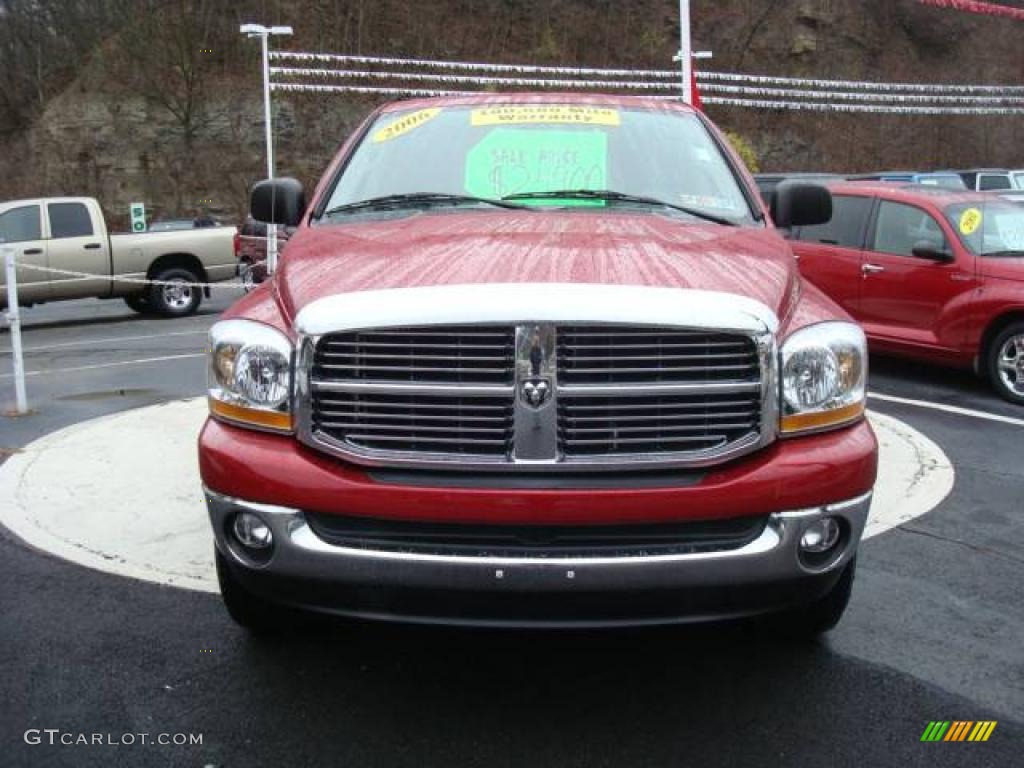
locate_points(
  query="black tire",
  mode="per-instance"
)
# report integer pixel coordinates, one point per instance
(257, 615)
(1006, 363)
(175, 300)
(818, 618)
(139, 302)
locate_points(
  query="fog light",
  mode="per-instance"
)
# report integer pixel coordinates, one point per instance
(252, 532)
(820, 536)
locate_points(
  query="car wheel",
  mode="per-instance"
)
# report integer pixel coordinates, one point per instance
(821, 616)
(257, 615)
(139, 302)
(174, 293)
(1006, 363)
(247, 274)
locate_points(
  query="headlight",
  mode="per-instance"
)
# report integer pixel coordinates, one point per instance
(824, 375)
(250, 375)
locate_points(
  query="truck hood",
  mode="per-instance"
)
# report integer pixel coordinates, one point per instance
(462, 248)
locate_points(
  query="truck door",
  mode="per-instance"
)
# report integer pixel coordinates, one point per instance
(830, 254)
(905, 298)
(21, 228)
(77, 246)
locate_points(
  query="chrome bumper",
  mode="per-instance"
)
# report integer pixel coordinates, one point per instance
(304, 568)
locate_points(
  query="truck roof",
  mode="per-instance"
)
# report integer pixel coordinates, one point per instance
(528, 97)
(41, 200)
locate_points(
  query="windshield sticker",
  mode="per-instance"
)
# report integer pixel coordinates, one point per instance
(404, 124)
(544, 114)
(509, 161)
(970, 220)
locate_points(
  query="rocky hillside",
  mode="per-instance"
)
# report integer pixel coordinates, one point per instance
(166, 108)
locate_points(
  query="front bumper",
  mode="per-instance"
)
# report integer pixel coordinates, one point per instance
(632, 588)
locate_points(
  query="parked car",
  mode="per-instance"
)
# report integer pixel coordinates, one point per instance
(767, 182)
(537, 360)
(930, 273)
(946, 179)
(251, 251)
(987, 179)
(175, 225)
(69, 233)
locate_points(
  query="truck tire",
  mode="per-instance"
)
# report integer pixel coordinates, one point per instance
(255, 614)
(174, 294)
(818, 618)
(1006, 363)
(139, 302)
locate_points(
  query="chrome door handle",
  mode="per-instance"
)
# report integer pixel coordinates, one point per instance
(871, 269)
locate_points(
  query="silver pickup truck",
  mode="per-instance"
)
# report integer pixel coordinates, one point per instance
(70, 234)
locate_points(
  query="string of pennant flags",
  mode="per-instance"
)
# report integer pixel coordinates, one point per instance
(305, 72)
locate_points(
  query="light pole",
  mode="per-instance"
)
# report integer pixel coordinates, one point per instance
(686, 51)
(264, 33)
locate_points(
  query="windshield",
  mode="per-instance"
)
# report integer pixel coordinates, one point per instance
(990, 228)
(497, 152)
(1018, 179)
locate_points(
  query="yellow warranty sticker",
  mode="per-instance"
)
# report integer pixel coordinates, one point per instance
(405, 124)
(970, 220)
(544, 114)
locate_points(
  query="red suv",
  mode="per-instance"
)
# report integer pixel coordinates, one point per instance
(537, 360)
(930, 273)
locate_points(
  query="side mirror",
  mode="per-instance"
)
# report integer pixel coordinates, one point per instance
(927, 249)
(799, 204)
(278, 201)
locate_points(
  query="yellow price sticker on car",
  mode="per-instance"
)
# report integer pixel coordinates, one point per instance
(544, 114)
(404, 124)
(970, 220)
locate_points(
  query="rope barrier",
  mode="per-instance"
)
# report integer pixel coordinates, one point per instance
(132, 278)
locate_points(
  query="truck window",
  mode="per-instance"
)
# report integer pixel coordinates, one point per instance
(900, 227)
(989, 181)
(69, 220)
(846, 229)
(20, 224)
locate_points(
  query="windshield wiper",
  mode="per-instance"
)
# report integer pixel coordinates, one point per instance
(621, 197)
(412, 199)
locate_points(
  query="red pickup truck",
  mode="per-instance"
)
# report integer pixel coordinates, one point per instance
(537, 360)
(931, 273)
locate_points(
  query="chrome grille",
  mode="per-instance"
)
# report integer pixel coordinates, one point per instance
(590, 354)
(461, 426)
(450, 354)
(594, 426)
(466, 396)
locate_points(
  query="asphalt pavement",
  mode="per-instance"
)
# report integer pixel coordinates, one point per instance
(934, 630)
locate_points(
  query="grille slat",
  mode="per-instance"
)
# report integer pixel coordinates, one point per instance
(622, 355)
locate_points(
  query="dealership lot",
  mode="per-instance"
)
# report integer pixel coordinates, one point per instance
(933, 631)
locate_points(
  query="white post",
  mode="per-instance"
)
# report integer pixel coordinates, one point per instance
(264, 33)
(271, 228)
(14, 321)
(685, 50)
